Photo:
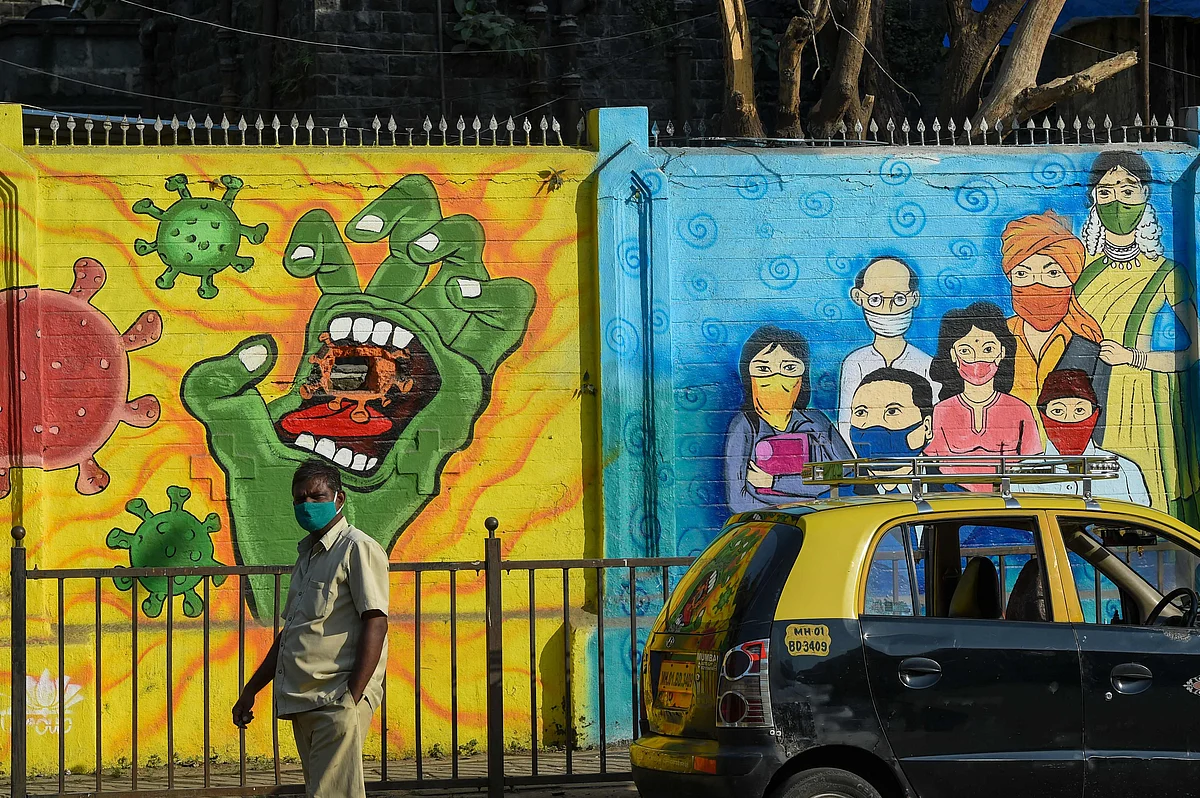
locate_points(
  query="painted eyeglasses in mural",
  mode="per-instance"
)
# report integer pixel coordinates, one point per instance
(1079, 368)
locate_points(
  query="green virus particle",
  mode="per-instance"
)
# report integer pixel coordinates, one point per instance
(199, 237)
(171, 539)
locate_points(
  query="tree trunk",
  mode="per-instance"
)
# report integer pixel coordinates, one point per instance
(889, 104)
(799, 31)
(740, 117)
(840, 102)
(1016, 93)
(974, 37)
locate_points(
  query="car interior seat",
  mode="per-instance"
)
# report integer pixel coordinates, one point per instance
(977, 594)
(1028, 599)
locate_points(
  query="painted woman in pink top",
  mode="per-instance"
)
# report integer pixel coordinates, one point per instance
(977, 416)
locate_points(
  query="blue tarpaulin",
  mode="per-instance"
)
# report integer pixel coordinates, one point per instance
(1076, 12)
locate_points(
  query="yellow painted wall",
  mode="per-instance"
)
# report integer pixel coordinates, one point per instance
(528, 458)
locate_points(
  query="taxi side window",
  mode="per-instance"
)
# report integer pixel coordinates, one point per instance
(980, 570)
(1120, 569)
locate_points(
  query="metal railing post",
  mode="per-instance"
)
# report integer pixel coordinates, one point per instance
(18, 633)
(495, 661)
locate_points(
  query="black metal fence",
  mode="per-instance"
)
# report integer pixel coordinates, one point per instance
(585, 601)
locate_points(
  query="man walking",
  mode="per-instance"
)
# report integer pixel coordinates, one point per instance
(329, 659)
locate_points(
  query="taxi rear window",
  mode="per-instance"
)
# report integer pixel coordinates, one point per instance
(736, 571)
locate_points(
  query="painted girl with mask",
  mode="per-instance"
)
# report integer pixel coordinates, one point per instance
(977, 415)
(775, 434)
(1042, 260)
(1136, 294)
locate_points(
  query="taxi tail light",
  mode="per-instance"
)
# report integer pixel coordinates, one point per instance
(744, 687)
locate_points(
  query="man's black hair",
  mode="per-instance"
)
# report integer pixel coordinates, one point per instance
(321, 471)
(922, 391)
(861, 278)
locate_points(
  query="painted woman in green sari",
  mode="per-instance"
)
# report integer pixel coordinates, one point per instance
(1126, 286)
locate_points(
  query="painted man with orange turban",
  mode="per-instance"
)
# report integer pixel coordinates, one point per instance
(1042, 259)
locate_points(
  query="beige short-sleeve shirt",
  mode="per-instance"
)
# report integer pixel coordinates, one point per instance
(336, 580)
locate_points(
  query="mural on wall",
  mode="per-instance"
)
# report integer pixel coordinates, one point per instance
(73, 379)
(394, 378)
(984, 305)
(173, 538)
(42, 705)
(196, 236)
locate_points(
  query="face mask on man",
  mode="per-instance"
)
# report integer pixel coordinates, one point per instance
(1119, 217)
(879, 441)
(1041, 306)
(312, 516)
(889, 325)
(1071, 438)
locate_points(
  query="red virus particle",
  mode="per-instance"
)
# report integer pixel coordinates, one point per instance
(71, 379)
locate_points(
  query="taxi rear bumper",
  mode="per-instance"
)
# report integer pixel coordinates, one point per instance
(702, 768)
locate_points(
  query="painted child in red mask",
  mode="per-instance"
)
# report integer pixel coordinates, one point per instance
(1070, 412)
(977, 415)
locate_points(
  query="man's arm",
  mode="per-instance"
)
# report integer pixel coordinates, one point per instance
(370, 646)
(243, 710)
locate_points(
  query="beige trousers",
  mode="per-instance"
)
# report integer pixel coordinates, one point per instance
(330, 741)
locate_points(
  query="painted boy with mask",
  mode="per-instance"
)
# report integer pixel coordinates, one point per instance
(887, 292)
(1070, 411)
(775, 434)
(328, 661)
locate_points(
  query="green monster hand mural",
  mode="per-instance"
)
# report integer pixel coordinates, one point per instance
(392, 380)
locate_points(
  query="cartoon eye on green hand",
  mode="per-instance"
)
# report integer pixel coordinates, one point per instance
(391, 383)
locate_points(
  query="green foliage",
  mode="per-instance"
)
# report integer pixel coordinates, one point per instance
(491, 29)
(765, 47)
(913, 44)
(653, 14)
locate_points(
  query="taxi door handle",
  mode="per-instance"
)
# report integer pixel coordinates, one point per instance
(1131, 678)
(919, 673)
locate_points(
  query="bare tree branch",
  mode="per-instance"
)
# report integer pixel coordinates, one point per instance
(840, 100)
(974, 37)
(799, 31)
(741, 113)
(1015, 92)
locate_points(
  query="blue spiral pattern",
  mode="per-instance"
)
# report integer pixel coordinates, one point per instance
(830, 309)
(700, 285)
(661, 318)
(895, 171)
(908, 220)
(692, 397)
(964, 250)
(827, 382)
(977, 195)
(654, 181)
(629, 257)
(950, 282)
(817, 205)
(714, 331)
(622, 337)
(766, 230)
(753, 187)
(1051, 170)
(839, 264)
(634, 434)
(781, 273)
(699, 232)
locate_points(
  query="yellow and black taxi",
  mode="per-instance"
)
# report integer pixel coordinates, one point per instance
(936, 644)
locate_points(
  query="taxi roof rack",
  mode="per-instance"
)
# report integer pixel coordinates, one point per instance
(1002, 472)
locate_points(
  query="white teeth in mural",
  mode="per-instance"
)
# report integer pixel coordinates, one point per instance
(326, 448)
(343, 457)
(360, 462)
(470, 288)
(339, 328)
(383, 331)
(253, 356)
(306, 441)
(428, 242)
(401, 338)
(370, 224)
(362, 329)
(374, 461)
(303, 252)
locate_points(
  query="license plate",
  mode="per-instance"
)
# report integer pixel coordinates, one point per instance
(676, 683)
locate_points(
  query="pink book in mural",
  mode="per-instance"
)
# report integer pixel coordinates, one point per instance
(782, 455)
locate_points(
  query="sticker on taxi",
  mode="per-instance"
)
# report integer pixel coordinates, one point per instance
(807, 640)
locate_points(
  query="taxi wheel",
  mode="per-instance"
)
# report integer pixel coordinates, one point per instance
(826, 783)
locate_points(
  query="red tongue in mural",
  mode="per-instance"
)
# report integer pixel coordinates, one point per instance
(323, 421)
